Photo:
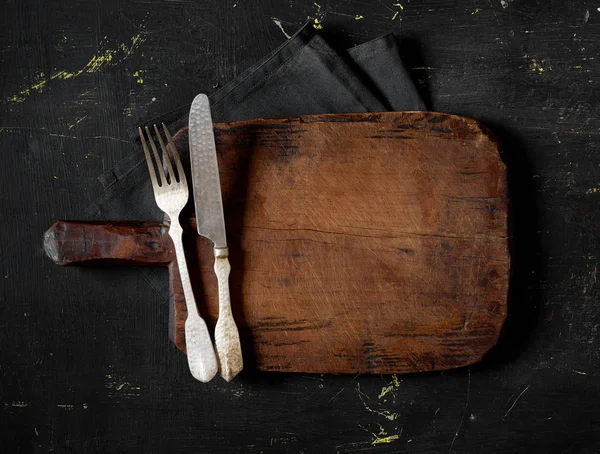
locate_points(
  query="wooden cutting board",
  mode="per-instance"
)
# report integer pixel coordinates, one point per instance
(371, 243)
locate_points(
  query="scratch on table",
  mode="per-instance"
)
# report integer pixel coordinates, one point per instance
(382, 437)
(462, 418)
(17, 404)
(76, 122)
(101, 59)
(388, 439)
(385, 413)
(122, 387)
(398, 11)
(515, 402)
(66, 406)
(278, 23)
(392, 386)
(336, 394)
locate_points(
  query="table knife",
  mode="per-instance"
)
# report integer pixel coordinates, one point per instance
(211, 224)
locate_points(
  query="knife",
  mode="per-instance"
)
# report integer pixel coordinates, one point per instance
(211, 224)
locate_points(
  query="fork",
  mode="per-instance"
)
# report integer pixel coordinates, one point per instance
(171, 196)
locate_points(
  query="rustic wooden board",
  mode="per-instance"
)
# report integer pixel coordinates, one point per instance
(372, 243)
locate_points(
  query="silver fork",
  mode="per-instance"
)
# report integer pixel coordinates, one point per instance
(171, 196)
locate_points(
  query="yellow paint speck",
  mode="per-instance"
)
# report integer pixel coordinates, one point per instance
(98, 61)
(382, 440)
(358, 17)
(392, 386)
(55, 177)
(475, 12)
(17, 404)
(316, 21)
(138, 75)
(536, 67)
(399, 5)
(215, 86)
(395, 15)
(235, 4)
(592, 191)
(579, 372)
(16, 99)
(278, 23)
(85, 406)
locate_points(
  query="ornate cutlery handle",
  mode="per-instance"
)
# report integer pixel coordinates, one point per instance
(199, 346)
(227, 337)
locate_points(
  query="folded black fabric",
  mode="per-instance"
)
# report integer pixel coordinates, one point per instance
(303, 76)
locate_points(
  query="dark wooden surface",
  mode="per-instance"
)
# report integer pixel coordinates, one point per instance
(360, 243)
(84, 363)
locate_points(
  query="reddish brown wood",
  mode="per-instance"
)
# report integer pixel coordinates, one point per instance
(373, 243)
(119, 243)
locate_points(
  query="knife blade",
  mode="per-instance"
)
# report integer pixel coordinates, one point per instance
(205, 174)
(210, 220)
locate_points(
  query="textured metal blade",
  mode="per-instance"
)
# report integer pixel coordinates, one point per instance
(205, 173)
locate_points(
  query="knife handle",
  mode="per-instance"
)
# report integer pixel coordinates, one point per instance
(227, 337)
(200, 351)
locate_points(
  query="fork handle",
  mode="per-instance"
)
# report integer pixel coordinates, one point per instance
(227, 337)
(200, 351)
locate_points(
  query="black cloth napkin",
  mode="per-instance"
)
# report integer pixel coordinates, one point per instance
(303, 76)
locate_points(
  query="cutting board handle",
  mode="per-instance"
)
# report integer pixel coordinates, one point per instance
(107, 243)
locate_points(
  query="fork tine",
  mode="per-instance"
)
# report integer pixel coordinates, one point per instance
(148, 160)
(175, 154)
(161, 172)
(165, 154)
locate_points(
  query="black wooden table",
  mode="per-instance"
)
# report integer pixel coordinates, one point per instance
(85, 363)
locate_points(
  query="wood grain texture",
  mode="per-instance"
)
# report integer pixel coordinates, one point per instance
(361, 243)
(373, 243)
